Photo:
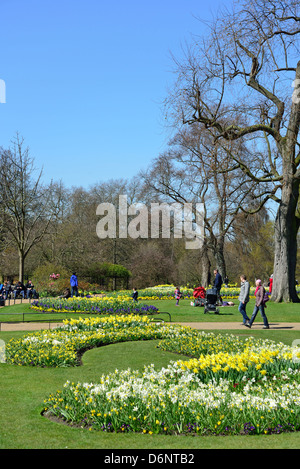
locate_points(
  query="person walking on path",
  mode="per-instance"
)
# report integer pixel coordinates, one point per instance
(244, 298)
(74, 285)
(259, 305)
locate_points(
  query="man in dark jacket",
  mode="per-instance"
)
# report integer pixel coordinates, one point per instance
(19, 290)
(218, 284)
(135, 295)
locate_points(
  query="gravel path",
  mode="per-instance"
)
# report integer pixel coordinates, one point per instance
(35, 326)
(239, 326)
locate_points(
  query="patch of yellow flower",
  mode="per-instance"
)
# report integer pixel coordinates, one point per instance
(225, 361)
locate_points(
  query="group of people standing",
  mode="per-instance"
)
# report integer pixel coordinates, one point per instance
(218, 282)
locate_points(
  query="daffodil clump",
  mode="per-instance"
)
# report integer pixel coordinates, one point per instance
(176, 401)
(63, 346)
(159, 292)
(167, 292)
(192, 343)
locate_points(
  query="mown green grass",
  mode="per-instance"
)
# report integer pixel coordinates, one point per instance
(276, 312)
(22, 312)
(23, 390)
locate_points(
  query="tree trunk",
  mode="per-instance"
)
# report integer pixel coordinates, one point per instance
(220, 259)
(286, 229)
(21, 266)
(205, 266)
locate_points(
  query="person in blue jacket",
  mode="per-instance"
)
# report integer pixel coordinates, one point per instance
(74, 285)
(218, 284)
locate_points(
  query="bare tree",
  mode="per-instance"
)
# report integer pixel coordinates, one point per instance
(237, 85)
(27, 207)
(195, 170)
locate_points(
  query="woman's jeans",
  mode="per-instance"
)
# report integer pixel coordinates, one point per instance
(242, 310)
(262, 312)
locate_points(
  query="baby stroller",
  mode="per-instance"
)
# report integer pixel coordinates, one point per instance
(211, 300)
(199, 295)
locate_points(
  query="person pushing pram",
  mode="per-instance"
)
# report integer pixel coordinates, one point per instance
(218, 285)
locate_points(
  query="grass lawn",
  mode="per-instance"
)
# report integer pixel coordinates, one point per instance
(276, 312)
(22, 312)
(23, 390)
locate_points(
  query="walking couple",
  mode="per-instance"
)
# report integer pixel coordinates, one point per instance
(259, 302)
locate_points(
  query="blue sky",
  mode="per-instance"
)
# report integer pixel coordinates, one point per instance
(85, 80)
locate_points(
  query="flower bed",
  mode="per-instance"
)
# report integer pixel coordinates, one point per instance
(230, 385)
(62, 346)
(166, 292)
(171, 401)
(94, 305)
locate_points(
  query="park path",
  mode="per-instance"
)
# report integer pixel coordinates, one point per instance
(236, 325)
(35, 326)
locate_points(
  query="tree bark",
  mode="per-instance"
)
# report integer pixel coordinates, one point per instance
(21, 266)
(287, 220)
(205, 266)
(220, 260)
(286, 229)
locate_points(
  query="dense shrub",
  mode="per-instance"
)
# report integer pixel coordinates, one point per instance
(51, 279)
